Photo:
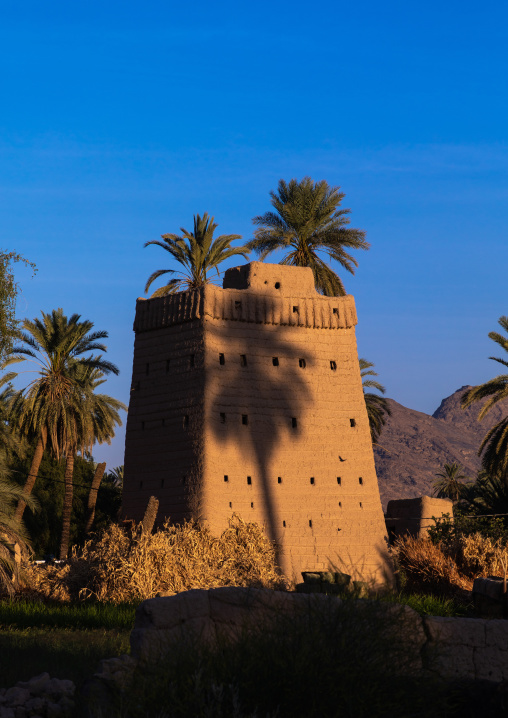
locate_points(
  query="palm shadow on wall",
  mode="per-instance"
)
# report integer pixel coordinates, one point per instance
(270, 395)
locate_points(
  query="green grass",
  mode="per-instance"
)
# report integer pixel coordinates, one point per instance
(73, 655)
(66, 640)
(36, 614)
(428, 604)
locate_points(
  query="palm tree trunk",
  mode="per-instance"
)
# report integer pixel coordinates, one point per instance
(92, 496)
(67, 506)
(32, 476)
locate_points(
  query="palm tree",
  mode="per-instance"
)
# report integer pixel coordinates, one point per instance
(307, 221)
(197, 251)
(450, 483)
(116, 476)
(377, 406)
(495, 443)
(11, 530)
(41, 411)
(488, 494)
(95, 417)
(10, 442)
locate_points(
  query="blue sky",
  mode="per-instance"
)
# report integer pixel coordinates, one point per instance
(119, 121)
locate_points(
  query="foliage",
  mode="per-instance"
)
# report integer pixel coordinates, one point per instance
(447, 528)
(45, 526)
(450, 559)
(9, 290)
(50, 402)
(487, 495)
(377, 406)
(449, 484)
(115, 476)
(197, 251)
(427, 604)
(495, 444)
(341, 659)
(121, 566)
(307, 221)
(11, 531)
(426, 567)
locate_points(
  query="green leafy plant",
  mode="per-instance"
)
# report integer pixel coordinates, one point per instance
(198, 252)
(495, 444)
(307, 222)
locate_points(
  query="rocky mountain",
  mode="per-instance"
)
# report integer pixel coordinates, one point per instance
(414, 446)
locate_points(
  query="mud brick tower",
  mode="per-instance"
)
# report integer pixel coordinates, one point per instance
(248, 399)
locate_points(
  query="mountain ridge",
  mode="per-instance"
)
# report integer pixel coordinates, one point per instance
(414, 446)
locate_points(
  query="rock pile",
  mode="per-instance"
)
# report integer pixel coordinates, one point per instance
(40, 697)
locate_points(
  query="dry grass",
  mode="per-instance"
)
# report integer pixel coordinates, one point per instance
(479, 555)
(446, 567)
(427, 567)
(122, 566)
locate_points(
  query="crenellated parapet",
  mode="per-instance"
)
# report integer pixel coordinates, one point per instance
(242, 305)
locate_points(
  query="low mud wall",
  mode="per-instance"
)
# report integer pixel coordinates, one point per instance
(454, 648)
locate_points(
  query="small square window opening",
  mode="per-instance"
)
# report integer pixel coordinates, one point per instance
(245, 419)
(302, 363)
(333, 365)
(222, 359)
(275, 361)
(352, 422)
(222, 417)
(243, 360)
(294, 422)
(249, 480)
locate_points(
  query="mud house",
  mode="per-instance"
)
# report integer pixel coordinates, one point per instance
(247, 399)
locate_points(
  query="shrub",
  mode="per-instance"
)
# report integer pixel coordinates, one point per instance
(479, 555)
(122, 566)
(426, 567)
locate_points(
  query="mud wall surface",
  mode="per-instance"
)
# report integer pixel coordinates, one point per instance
(276, 428)
(164, 436)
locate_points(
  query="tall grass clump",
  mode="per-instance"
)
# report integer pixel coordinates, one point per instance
(426, 567)
(448, 565)
(122, 566)
(350, 659)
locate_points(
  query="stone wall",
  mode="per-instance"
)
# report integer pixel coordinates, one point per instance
(249, 400)
(463, 648)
